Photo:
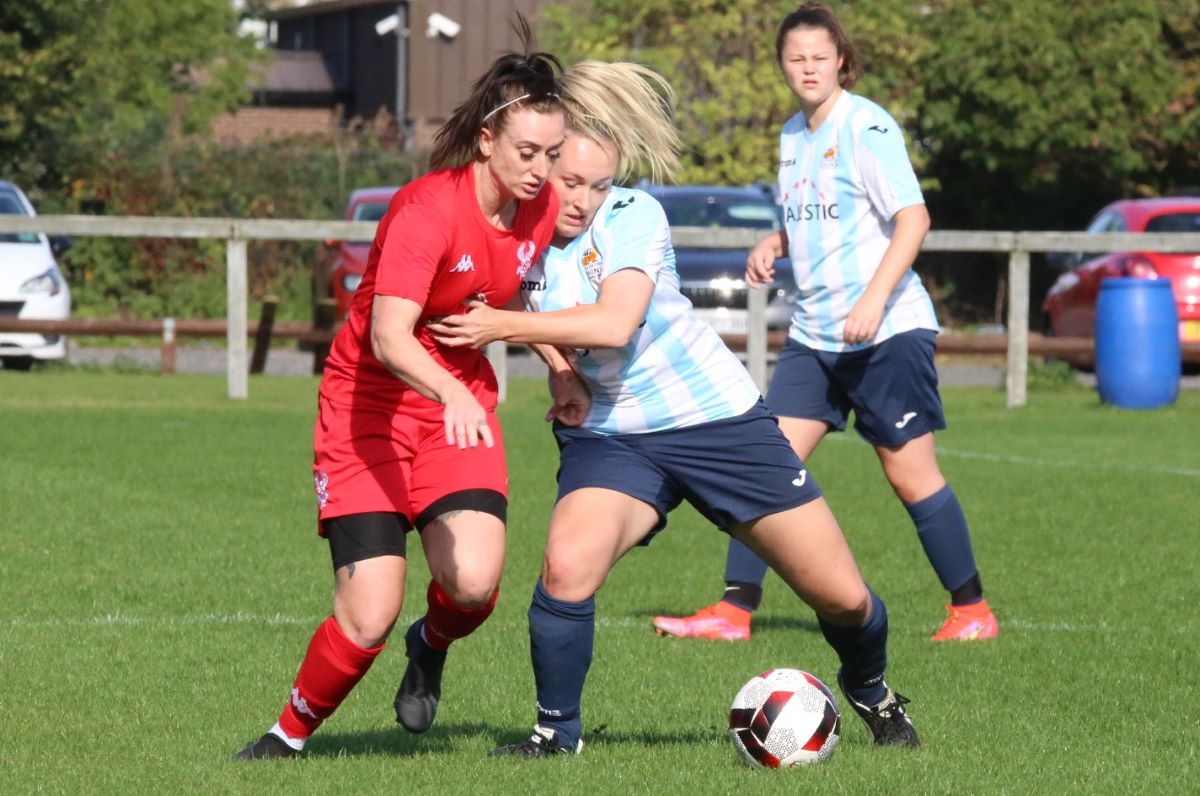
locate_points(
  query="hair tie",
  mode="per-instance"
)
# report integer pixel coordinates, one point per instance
(499, 108)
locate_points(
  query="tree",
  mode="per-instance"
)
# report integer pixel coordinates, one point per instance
(1036, 113)
(719, 55)
(87, 82)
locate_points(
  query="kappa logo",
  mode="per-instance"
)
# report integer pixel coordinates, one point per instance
(301, 704)
(525, 258)
(465, 264)
(902, 422)
(802, 479)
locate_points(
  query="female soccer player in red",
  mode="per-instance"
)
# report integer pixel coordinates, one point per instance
(406, 433)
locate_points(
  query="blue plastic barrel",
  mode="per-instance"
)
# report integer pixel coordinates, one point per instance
(1137, 343)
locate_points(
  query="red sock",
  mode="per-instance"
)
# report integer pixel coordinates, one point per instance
(332, 667)
(445, 622)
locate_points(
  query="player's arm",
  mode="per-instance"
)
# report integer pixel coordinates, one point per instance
(760, 264)
(892, 189)
(394, 343)
(609, 323)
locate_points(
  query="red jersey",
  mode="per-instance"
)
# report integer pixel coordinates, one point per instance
(435, 247)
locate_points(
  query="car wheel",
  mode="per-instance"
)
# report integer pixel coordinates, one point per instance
(18, 363)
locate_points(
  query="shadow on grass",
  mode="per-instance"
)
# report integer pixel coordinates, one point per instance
(443, 739)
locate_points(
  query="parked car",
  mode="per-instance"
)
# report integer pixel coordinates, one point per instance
(350, 256)
(712, 278)
(31, 285)
(1070, 304)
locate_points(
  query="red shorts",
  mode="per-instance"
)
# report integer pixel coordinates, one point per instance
(367, 460)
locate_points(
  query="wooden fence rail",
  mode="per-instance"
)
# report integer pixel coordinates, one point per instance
(236, 232)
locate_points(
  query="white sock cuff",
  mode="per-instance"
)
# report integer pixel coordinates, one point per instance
(295, 743)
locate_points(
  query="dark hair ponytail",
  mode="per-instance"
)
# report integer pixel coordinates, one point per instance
(815, 15)
(515, 80)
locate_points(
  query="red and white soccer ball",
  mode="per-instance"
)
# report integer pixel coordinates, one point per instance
(784, 718)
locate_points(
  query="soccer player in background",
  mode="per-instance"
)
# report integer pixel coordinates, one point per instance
(674, 416)
(406, 434)
(863, 332)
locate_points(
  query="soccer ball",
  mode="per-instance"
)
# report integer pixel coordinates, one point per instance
(784, 718)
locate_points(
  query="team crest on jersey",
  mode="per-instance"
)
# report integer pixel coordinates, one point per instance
(829, 159)
(525, 258)
(593, 266)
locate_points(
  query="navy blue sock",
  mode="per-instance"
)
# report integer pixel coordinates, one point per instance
(560, 643)
(942, 529)
(863, 653)
(742, 565)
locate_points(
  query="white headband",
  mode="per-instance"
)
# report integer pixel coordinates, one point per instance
(499, 108)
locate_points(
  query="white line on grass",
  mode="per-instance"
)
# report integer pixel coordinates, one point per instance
(1186, 472)
(624, 623)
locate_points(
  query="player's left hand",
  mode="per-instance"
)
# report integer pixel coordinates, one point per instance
(862, 324)
(476, 328)
(572, 400)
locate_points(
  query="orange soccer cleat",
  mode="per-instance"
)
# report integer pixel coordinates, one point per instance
(974, 622)
(720, 622)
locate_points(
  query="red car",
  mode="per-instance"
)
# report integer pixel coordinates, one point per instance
(1070, 305)
(350, 256)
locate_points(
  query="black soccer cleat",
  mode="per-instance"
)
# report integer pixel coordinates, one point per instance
(543, 743)
(421, 687)
(887, 721)
(265, 748)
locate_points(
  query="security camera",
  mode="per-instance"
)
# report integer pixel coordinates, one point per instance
(441, 25)
(386, 25)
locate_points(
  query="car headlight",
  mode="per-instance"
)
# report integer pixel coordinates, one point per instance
(46, 282)
(350, 282)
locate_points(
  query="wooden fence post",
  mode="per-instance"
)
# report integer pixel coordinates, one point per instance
(1016, 379)
(324, 318)
(168, 346)
(236, 369)
(262, 336)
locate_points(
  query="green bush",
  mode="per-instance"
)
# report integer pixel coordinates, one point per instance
(153, 278)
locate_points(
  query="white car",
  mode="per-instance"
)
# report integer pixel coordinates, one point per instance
(31, 285)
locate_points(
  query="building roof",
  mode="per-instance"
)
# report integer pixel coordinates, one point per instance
(295, 72)
(328, 7)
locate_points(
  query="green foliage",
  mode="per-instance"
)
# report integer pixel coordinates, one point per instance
(154, 278)
(89, 83)
(1031, 108)
(1051, 375)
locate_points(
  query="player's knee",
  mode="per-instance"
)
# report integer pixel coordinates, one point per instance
(369, 626)
(566, 577)
(471, 587)
(850, 609)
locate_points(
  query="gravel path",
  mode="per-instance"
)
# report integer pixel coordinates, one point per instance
(952, 371)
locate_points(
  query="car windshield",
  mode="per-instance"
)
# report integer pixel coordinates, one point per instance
(370, 211)
(1174, 222)
(716, 211)
(9, 206)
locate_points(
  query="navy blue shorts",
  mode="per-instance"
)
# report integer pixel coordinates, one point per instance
(732, 471)
(892, 387)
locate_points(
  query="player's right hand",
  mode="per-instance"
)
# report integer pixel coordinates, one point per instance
(465, 420)
(760, 264)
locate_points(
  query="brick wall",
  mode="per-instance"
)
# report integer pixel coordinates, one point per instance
(253, 123)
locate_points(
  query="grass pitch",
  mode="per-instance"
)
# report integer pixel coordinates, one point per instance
(160, 578)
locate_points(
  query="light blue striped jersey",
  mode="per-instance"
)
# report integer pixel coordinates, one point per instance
(676, 371)
(841, 187)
